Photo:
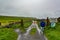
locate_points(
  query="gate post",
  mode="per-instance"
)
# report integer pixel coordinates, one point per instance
(48, 21)
(22, 23)
(0, 23)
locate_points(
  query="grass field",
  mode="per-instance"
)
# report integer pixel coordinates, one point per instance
(53, 33)
(9, 34)
(8, 19)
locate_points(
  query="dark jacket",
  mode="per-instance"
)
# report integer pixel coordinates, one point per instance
(42, 24)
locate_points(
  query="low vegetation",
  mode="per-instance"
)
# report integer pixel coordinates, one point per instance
(53, 33)
(8, 34)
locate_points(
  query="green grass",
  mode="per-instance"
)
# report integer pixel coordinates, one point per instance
(8, 19)
(7, 34)
(53, 33)
(33, 31)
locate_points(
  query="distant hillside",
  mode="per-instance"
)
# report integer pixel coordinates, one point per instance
(14, 18)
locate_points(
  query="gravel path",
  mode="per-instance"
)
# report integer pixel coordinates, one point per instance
(36, 36)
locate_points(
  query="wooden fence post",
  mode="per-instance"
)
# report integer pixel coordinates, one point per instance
(0, 23)
(58, 19)
(22, 23)
(48, 21)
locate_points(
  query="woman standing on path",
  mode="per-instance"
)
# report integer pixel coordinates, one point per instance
(42, 24)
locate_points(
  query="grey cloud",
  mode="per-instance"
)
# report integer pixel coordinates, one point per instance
(30, 8)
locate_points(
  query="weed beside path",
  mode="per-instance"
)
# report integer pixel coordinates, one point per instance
(53, 33)
(7, 34)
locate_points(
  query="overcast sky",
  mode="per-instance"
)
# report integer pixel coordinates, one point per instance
(30, 8)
